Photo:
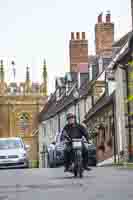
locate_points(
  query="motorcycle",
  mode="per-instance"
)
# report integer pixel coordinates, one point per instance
(77, 164)
(77, 167)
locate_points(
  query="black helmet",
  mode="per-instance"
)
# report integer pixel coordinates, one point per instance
(70, 115)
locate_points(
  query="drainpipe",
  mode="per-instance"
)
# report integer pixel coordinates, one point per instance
(114, 133)
(125, 68)
(58, 122)
(129, 119)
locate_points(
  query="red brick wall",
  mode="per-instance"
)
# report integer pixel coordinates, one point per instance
(104, 36)
(78, 50)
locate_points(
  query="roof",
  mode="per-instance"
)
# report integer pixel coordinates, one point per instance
(105, 59)
(122, 51)
(101, 103)
(53, 107)
(70, 77)
(122, 40)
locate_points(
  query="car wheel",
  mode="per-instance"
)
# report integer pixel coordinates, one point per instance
(27, 165)
(92, 163)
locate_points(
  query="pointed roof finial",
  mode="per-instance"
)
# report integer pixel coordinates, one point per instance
(44, 78)
(1, 63)
(27, 74)
(44, 61)
(1, 70)
(13, 70)
(44, 71)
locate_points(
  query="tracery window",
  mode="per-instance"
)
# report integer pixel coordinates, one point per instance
(24, 122)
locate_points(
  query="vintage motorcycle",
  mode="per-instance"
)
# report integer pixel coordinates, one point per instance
(77, 167)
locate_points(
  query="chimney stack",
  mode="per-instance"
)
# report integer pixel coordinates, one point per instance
(78, 51)
(104, 35)
(108, 17)
(78, 36)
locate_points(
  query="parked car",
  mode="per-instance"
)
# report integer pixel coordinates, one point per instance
(92, 155)
(56, 152)
(59, 154)
(13, 153)
(51, 155)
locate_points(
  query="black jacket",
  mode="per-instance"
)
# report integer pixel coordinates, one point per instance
(75, 131)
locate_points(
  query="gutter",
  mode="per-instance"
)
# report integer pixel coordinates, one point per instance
(116, 58)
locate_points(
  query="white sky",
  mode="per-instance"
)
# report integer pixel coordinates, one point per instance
(31, 30)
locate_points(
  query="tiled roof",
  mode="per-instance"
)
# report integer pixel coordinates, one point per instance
(61, 81)
(54, 106)
(122, 40)
(123, 51)
(101, 103)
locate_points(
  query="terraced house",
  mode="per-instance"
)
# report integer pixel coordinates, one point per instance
(103, 101)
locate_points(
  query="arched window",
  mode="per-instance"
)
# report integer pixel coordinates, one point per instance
(24, 120)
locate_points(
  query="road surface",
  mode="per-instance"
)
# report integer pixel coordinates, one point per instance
(47, 184)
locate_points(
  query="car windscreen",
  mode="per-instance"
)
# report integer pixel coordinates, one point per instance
(10, 144)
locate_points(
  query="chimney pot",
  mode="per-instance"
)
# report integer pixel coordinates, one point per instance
(108, 17)
(100, 18)
(72, 35)
(78, 35)
(83, 35)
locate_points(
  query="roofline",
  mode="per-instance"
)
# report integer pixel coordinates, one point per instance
(73, 99)
(124, 49)
(107, 102)
(120, 39)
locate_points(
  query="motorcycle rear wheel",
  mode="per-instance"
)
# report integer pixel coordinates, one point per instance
(75, 173)
(81, 173)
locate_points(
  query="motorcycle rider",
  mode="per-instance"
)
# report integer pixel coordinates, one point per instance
(73, 130)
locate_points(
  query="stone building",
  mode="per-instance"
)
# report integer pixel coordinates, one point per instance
(20, 104)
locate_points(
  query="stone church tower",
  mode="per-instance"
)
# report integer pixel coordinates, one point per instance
(104, 35)
(20, 105)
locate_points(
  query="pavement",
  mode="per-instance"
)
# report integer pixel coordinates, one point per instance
(108, 162)
(104, 183)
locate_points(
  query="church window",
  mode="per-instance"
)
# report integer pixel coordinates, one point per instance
(24, 121)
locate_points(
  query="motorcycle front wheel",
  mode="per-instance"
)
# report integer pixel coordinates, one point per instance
(79, 165)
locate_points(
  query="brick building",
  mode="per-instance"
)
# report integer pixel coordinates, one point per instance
(78, 51)
(104, 35)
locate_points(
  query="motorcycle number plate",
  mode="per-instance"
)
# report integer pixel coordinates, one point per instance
(77, 144)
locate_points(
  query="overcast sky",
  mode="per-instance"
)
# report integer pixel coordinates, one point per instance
(31, 30)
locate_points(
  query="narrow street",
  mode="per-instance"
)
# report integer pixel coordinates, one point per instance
(47, 184)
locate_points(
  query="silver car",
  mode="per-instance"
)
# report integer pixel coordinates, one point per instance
(13, 153)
